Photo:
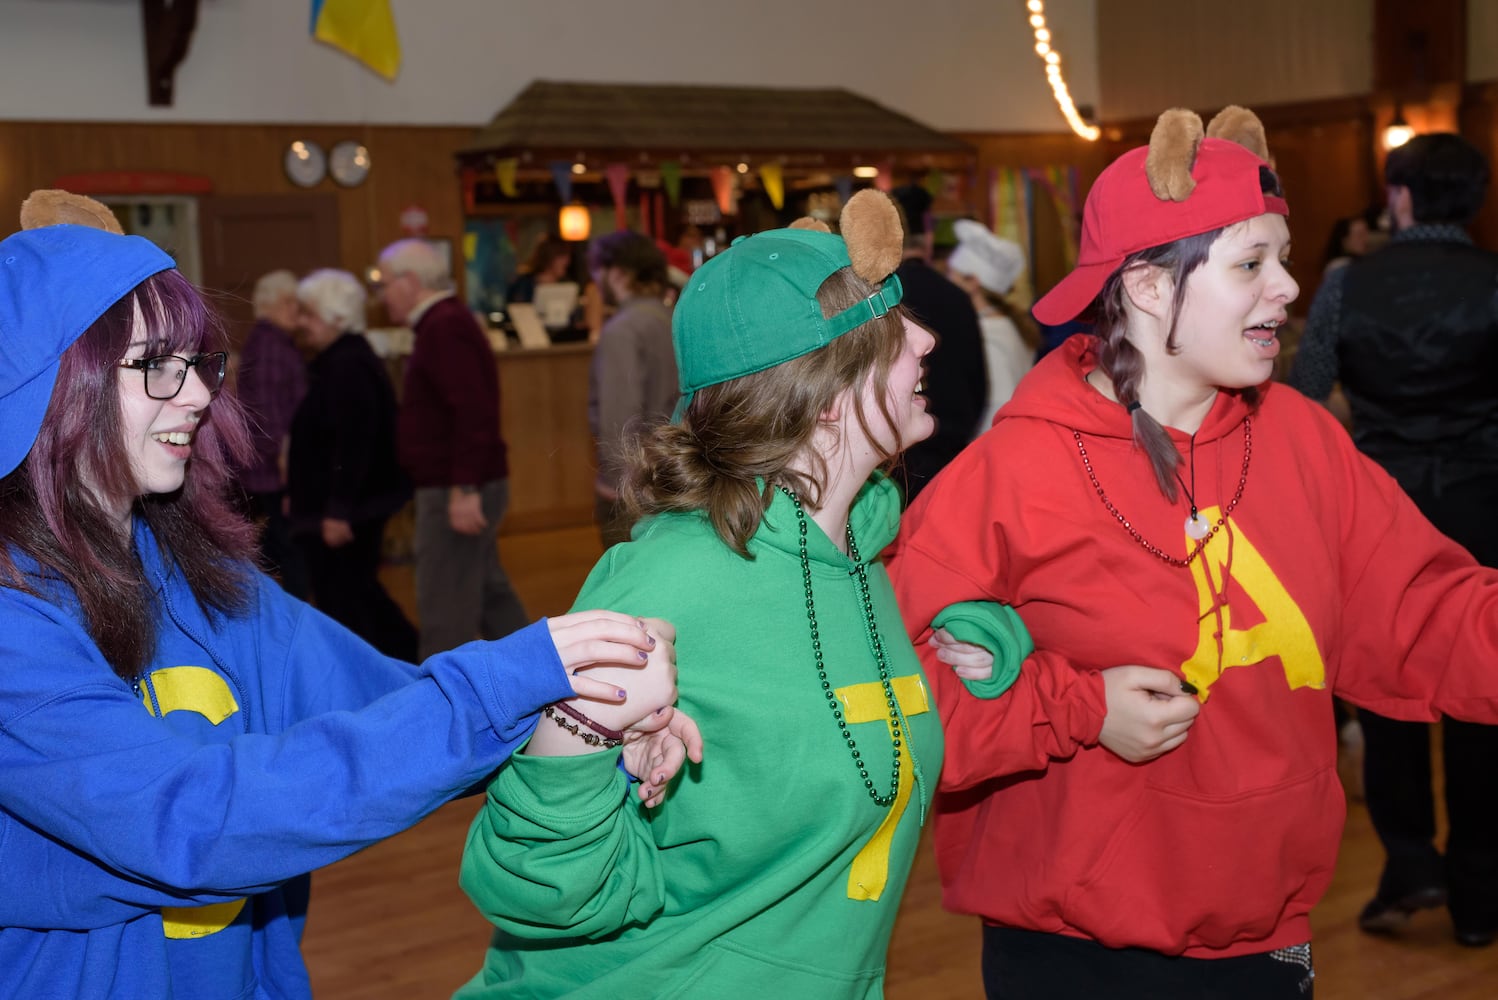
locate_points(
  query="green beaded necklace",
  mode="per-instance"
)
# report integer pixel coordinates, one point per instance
(875, 643)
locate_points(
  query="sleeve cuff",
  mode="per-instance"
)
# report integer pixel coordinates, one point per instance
(997, 628)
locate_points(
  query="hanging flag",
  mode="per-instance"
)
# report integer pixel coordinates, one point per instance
(504, 175)
(671, 178)
(618, 177)
(561, 175)
(723, 189)
(470, 182)
(365, 29)
(844, 185)
(771, 177)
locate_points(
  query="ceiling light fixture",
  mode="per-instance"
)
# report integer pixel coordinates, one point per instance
(1048, 54)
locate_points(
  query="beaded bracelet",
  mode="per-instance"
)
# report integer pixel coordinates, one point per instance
(599, 736)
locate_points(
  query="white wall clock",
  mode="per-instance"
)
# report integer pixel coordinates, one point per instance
(349, 163)
(305, 163)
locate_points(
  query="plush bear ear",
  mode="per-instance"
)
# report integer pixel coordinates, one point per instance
(870, 224)
(807, 222)
(1242, 126)
(1172, 153)
(51, 207)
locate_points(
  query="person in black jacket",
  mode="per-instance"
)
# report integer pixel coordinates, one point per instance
(1411, 331)
(956, 382)
(343, 478)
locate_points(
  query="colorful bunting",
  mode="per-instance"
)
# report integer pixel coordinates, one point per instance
(504, 176)
(561, 176)
(671, 178)
(618, 178)
(771, 176)
(723, 178)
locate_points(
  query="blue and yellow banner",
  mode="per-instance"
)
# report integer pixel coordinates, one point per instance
(365, 29)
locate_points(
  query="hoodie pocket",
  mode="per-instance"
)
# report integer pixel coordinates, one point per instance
(1187, 870)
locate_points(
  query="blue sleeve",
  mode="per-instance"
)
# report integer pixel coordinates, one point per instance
(109, 807)
(1316, 371)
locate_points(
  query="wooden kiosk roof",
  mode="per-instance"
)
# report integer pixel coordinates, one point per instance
(703, 125)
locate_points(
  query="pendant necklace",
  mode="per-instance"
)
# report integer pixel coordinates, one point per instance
(1197, 527)
(896, 725)
(1212, 527)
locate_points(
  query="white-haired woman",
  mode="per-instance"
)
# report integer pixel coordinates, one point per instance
(343, 479)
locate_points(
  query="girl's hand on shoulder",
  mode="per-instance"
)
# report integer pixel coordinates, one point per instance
(1149, 712)
(970, 662)
(656, 747)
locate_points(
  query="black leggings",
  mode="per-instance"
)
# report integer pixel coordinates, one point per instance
(1029, 965)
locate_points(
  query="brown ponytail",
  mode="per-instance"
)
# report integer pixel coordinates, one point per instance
(738, 439)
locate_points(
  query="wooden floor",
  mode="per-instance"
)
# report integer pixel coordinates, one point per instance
(391, 923)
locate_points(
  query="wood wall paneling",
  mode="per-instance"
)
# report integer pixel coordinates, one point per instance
(1479, 123)
(411, 165)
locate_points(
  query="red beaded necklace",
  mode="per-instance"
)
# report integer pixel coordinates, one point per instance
(1150, 547)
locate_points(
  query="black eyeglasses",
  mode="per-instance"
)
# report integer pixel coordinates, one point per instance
(166, 374)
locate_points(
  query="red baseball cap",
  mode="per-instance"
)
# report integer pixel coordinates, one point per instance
(1123, 216)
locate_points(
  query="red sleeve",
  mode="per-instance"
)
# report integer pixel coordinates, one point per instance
(1419, 616)
(952, 550)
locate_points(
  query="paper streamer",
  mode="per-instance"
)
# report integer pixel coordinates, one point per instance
(561, 175)
(671, 180)
(771, 176)
(504, 176)
(618, 178)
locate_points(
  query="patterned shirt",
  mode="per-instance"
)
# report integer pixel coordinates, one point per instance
(271, 382)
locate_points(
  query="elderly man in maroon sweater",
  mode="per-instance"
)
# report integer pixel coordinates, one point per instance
(450, 444)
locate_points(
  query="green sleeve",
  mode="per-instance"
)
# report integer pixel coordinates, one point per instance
(998, 629)
(560, 850)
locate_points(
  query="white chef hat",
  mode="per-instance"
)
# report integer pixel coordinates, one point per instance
(996, 262)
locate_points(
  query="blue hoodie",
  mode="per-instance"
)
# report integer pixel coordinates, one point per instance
(155, 837)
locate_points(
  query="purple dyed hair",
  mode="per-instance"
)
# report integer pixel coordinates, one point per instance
(49, 506)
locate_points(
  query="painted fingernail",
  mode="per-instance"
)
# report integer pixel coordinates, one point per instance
(652, 640)
(1188, 687)
(642, 655)
(620, 693)
(660, 710)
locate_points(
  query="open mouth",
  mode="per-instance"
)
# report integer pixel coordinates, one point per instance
(1268, 327)
(173, 437)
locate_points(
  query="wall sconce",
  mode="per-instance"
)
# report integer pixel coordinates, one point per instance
(1397, 132)
(574, 222)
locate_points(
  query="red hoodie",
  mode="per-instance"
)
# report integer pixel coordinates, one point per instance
(1324, 577)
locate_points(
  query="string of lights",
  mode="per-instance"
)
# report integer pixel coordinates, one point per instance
(1052, 60)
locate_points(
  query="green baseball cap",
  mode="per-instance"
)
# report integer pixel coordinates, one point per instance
(754, 306)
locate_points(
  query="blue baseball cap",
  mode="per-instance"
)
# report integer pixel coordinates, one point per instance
(55, 281)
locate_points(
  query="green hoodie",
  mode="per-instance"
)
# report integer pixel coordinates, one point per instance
(769, 867)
